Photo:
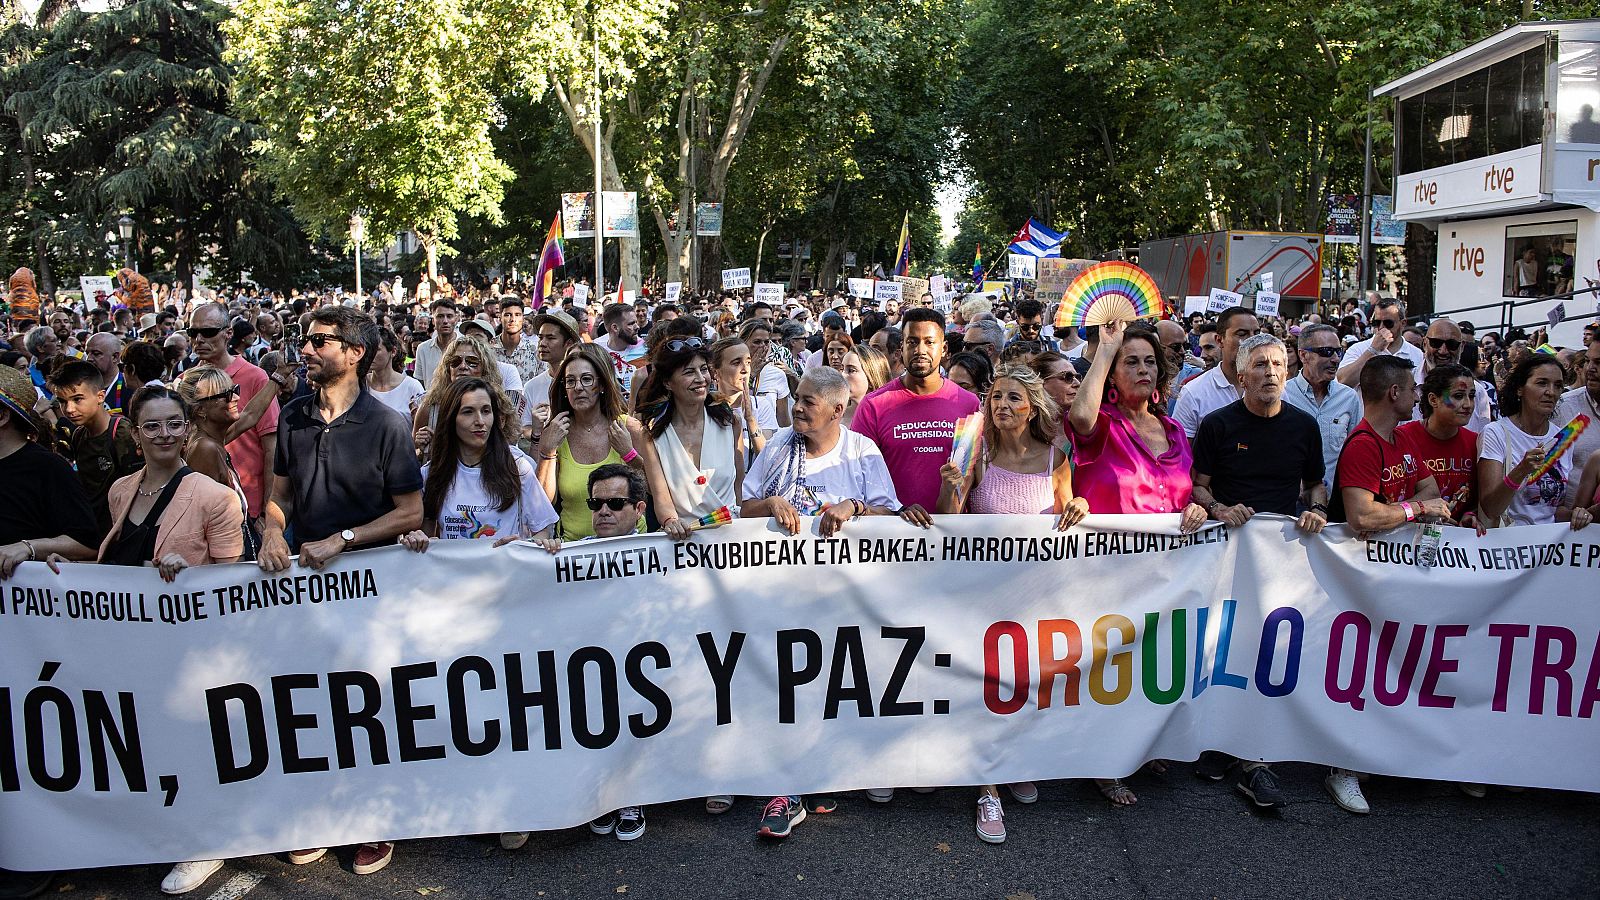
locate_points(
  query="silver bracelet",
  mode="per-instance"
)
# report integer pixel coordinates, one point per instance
(32, 556)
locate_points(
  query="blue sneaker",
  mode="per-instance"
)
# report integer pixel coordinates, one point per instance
(780, 815)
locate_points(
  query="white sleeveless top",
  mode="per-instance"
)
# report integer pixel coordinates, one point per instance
(699, 491)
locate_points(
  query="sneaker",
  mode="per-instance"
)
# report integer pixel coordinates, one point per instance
(822, 804)
(922, 790)
(24, 884)
(1261, 786)
(880, 795)
(780, 815)
(186, 876)
(513, 840)
(991, 820)
(1346, 791)
(1212, 765)
(1473, 790)
(630, 823)
(1023, 791)
(303, 857)
(605, 824)
(372, 857)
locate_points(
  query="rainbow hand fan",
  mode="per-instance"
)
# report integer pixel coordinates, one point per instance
(1112, 291)
(1565, 438)
(969, 432)
(715, 519)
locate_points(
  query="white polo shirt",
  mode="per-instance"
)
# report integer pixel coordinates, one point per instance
(1202, 396)
(1406, 349)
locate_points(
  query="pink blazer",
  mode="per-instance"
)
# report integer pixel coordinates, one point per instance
(202, 523)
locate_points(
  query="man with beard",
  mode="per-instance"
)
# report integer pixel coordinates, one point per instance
(347, 475)
(1441, 346)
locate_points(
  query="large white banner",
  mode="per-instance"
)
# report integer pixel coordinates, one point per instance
(477, 690)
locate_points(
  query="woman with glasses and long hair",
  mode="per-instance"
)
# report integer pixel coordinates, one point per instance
(466, 357)
(694, 459)
(588, 427)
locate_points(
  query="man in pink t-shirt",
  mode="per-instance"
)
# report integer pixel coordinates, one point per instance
(913, 418)
(251, 452)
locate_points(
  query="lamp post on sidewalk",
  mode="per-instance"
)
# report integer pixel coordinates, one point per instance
(358, 233)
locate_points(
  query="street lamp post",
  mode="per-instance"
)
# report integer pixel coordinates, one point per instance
(125, 231)
(358, 233)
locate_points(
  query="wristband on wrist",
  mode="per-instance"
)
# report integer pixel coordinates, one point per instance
(1411, 514)
(1514, 485)
(1320, 508)
(630, 456)
(29, 544)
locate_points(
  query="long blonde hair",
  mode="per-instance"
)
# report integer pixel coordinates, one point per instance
(439, 383)
(1044, 423)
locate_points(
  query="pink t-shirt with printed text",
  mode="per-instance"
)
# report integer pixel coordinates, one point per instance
(914, 432)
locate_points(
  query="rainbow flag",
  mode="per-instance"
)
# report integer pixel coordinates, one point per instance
(902, 255)
(977, 264)
(550, 258)
(964, 447)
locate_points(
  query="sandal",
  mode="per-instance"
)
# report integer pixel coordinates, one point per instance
(717, 804)
(1114, 790)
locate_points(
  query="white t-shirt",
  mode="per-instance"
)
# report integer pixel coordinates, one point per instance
(854, 468)
(469, 512)
(1535, 503)
(772, 386)
(1203, 395)
(400, 399)
(535, 391)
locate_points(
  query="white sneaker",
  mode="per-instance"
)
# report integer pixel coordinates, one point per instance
(513, 840)
(186, 876)
(1346, 791)
(880, 795)
(1474, 790)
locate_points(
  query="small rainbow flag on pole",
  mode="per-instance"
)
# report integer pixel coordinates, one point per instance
(977, 264)
(550, 259)
(1565, 438)
(715, 519)
(968, 435)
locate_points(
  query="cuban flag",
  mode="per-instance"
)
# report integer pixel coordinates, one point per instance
(1037, 241)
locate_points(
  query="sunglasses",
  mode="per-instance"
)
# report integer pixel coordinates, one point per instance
(1324, 352)
(1447, 343)
(615, 504)
(680, 345)
(1065, 377)
(221, 395)
(320, 340)
(207, 333)
(1179, 346)
(1387, 323)
(465, 362)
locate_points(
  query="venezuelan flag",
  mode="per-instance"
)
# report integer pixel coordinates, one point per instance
(550, 259)
(902, 255)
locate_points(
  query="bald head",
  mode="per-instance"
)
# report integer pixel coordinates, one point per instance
(1171, 336)
(105, 351)
(1442, 344)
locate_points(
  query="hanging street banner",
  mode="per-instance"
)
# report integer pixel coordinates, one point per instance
(476, 690)
(708, 219)
(577, 215)
(1386, 229)
(621, 212)
(735, 278)
(1344, 219)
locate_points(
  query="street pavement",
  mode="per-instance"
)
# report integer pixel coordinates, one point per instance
(1185, 838)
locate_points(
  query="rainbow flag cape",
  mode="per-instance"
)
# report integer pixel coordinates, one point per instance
(977, 263)
(550, 259)
(902, 255)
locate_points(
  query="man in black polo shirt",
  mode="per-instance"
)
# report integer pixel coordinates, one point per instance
(1259, 454)
(346, 474)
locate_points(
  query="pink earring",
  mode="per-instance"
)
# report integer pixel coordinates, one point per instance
(1155, 396)
(1111, 395)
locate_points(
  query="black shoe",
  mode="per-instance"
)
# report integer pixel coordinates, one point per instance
(1261, 786)
(630, 823)
(605, 824)
(1212, 765)
(780, 815)
(823, 804)
(17, 885)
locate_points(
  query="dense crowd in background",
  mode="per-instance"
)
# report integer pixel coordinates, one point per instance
(288, 429)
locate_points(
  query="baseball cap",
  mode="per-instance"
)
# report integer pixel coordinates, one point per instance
(480, 323)
(560, 320)
(17, 394)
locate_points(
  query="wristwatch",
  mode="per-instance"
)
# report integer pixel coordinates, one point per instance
(348, 536)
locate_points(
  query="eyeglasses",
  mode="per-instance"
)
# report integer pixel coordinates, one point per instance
(170, 426)
(680, 345)
(1324, 352)
(207, 333)
(221, 395)
(320, 340)
(615, 504)
(1447, 343)
(583, 381)
(1066, 377)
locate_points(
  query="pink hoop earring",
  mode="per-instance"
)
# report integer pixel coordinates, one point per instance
(1155, 396)
(1111, 395)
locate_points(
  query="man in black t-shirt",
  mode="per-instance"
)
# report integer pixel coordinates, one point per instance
(1259, 454)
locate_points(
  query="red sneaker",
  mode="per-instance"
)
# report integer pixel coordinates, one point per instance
(372, 857)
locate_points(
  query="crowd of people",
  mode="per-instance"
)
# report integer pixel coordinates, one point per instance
(288, 430)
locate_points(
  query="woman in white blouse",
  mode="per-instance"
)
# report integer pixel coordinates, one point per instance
(695, 459)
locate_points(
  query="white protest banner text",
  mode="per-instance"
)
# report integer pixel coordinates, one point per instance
(580, 294)
(91, 284)
(912, 288)
(1196, 304)
(1221, 300)
(1267, 303)
(476, 690)
(768, 292)
(735, 278)
(886, 290)
(1022, 266)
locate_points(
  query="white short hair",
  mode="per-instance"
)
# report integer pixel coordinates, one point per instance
(829, 383)
(1256, 342)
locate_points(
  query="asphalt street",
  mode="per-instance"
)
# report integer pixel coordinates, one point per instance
(1185, 838)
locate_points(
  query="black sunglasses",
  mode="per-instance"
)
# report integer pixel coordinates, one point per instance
(616, 504)
(1324, 352)
(221, 395)
(207, 333)
(1387, 323)
(1447, 343)
(678, 346)
(320, 339)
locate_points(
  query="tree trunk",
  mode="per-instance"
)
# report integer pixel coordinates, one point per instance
(761, 246)
(41, 246)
